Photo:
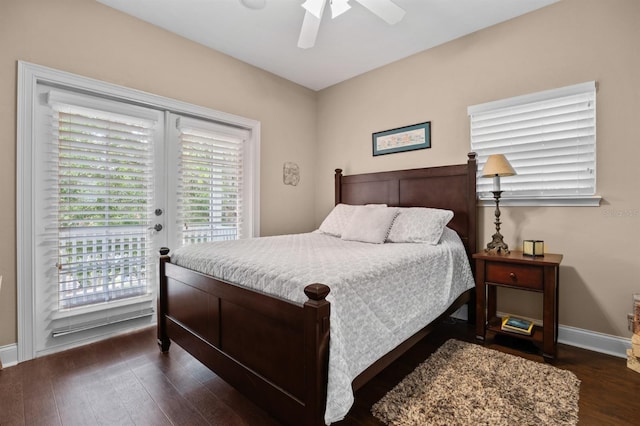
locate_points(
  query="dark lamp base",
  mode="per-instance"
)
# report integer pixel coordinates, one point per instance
(497, 244)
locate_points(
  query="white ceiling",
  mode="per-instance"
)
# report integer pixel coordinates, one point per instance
(351, 44)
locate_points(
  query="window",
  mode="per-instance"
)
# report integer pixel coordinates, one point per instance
(106, 176)
(210, 188)
(103, 183)
(550, 140)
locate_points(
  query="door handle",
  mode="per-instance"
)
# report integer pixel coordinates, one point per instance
(156, 227)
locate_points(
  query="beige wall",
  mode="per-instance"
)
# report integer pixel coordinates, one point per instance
(84, 37)
(569, 42)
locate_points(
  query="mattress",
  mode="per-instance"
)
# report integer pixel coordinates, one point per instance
(381, 294)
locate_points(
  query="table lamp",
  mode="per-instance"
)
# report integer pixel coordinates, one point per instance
(497, 166)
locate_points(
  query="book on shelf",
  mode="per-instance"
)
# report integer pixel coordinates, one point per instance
(517, 325)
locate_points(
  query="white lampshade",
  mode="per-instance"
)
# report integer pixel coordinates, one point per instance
(497, 165)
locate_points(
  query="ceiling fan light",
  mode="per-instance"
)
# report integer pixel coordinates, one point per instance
(314, 7)
(338, 7)
(253, 4)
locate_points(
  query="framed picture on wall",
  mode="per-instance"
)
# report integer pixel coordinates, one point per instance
(407, 138)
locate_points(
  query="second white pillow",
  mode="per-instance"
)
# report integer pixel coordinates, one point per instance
(369, 225)
(419, 225)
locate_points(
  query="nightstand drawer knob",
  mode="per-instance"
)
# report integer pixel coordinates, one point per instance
(513, 276)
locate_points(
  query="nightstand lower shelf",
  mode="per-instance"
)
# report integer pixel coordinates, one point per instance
(494, 325)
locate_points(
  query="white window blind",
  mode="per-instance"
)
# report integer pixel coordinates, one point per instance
(211, 182)
(104, 189)
(548, 137)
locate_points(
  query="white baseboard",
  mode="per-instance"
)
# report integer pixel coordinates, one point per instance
(9, 355)
(594, 341)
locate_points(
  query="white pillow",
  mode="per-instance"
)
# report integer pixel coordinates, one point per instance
(419, 225)
(337, 220)
(369, 225)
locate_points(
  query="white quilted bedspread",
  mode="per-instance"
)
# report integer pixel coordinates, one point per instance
(381, 294)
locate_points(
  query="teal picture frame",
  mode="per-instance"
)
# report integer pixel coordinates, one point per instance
(402, 139)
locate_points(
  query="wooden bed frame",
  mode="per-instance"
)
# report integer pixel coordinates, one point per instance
(275, 351)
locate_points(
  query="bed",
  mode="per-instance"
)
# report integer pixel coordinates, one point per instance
(276, 351)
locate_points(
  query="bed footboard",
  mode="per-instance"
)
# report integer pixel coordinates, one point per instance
(273, 351)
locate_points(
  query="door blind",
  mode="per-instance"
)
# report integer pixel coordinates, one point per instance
(548, 137)
(210, 187)
(104, 204)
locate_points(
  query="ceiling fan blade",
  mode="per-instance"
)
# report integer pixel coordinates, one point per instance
(338, 7)
(385, 9)
(309, 30)
(315, 7)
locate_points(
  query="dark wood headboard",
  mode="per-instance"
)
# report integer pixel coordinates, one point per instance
(444, 187)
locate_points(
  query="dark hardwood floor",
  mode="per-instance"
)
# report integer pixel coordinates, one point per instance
(127, 381)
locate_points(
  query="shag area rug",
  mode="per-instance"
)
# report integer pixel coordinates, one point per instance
(466, 384)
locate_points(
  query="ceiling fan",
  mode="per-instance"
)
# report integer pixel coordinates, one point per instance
(385, 9)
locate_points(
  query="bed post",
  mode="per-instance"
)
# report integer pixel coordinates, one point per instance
(472, 171)
(316, 348)
(338, 179)
(163, 339)
(472, 203)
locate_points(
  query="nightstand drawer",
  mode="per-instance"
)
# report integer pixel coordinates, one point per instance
(513, 274)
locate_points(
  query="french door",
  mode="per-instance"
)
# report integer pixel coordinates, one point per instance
(100, 213)
(104, 181)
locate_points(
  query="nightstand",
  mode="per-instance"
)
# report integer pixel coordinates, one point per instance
(518, 271)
